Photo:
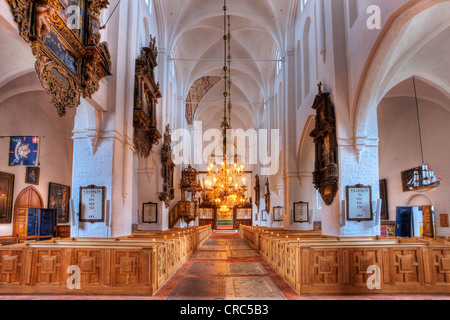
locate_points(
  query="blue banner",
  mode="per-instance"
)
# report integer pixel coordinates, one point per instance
(23, 151)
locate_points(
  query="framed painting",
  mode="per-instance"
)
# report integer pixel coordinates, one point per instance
(6, 197)
(58, 198)
(359, 203)
(301, 212)
(92, 204)
(278, 214)
(32, 175)
(150, 212)
(384, 199)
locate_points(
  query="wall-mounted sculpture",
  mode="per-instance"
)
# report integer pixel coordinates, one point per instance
(146, 98)
(267, 196)
(257, 193)
(168, 168)
(326, 174)
(70, 60)
(189, 183)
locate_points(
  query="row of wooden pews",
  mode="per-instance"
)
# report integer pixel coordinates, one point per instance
(135, 265)
(315, 264)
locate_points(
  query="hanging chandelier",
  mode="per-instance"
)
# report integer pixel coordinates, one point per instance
(422, 178)
(226, 184)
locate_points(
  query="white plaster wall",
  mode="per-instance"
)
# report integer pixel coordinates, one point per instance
(31, 114)
(400, 151)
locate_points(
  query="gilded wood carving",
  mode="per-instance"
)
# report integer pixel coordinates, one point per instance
(267, 196)
(146, 98)
(69, 62)
(326, 175)
(168, 168)
(257, 193)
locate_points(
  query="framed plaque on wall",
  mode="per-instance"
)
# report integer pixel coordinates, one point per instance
(264, 215)
(150, 212)
(278, 214)
(359, 203)
(301, 212)
(243, 213)
(92, 204)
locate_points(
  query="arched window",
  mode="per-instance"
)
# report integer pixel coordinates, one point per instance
(149, 4)
(303, 4)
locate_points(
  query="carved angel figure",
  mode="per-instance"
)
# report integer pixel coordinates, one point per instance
(89, 71)
(42, 17)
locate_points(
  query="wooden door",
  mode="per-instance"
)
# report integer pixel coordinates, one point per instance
(428, 223)
(28, 198)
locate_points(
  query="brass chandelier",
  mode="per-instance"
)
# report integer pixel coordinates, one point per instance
(226, 184)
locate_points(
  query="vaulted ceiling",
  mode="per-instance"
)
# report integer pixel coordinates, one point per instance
(193, 31)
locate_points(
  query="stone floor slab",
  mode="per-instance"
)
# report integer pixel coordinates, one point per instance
(245, 268)
(207, 268)
(213, 248)
(209, 256)
(205, 288)
(254, 288)
(242, 253)
(242, 247)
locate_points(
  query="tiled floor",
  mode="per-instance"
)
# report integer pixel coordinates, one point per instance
(226, 268)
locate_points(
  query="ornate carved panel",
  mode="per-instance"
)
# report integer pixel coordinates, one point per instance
(70, 60)
(326, 267)
(441, 266)
(90, 263)
(10, 267)
(168, 168)
(48, 267)
(406, 266)
(326, 174)
(146, 98)
(125, 267)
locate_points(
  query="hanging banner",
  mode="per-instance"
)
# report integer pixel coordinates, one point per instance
(23, 151)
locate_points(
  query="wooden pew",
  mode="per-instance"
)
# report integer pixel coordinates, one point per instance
(316, 264)
(135, 265)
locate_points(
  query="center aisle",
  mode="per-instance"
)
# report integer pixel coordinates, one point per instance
(226, 268)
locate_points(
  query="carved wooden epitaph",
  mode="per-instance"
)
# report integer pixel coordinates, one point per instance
(326, 174)
(147, 93)
(257, 193)
(70, 59)
(267, 196)
(168, 168)
(189, 182)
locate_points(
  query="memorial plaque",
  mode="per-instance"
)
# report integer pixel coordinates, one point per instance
(359, 203)
(264, 215)
(278, 214)
(243, 214)
(150, 212)
(92, 204)
(301, 212)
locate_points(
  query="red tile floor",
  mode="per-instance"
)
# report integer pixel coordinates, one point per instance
(171, 288)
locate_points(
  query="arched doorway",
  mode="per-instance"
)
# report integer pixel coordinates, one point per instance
(28, 198)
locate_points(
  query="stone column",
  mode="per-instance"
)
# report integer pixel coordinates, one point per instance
(103, 131)
(291, 176)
